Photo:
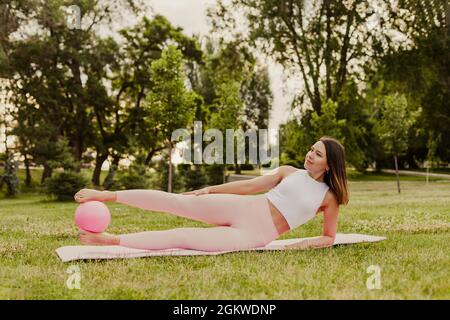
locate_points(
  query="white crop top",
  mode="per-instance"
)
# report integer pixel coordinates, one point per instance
(298, 197)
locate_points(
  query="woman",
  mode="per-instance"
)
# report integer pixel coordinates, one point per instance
(242, 220)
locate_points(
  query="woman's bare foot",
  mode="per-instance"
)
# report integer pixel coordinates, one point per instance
(90, 194)
(98, 239)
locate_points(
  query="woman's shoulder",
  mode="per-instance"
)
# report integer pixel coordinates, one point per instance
(286, 170)
(330, 197)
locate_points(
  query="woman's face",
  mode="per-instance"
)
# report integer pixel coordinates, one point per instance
(316, 158)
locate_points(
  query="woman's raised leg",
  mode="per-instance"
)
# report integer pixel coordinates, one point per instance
(216, 209)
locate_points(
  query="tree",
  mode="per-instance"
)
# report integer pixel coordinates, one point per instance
(327, 123)
(326, 42)
(235, 82)
(296, 142)
(257, 98)
(293, 144)
(394, 126)
(58, 76)
(143, 44)
(82, 86)
(420, 71)
(169, 102)
(229, 106)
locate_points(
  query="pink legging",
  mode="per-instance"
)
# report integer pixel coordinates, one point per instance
(242, 221)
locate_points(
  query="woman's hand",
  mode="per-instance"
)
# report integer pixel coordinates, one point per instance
(298, 245)
(313, 242)
(198, 192)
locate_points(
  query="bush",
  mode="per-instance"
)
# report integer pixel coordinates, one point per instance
(162, 177)
(131, 181)
(215, 173)
(194, 176)
(64, 184)
(247, 166)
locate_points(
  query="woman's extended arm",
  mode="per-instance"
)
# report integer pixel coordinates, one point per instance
(330, 222)
(236, 187)
(255, 185)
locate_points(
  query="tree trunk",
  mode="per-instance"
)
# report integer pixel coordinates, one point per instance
(77, 149)
(47, 173)
(169, 180)
(99, 159)
(237, 167)
(396, 173)
(27, 172)
(109, 179)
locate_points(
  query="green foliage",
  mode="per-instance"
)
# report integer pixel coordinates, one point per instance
(313, 39)
(327, 122)
(432, 145)
(361, 144)
(194, 176)
(215, 173)
(293, 144)
(247, 166)
(161, 177)
(64, 184)
(136, 177)
(144, 44)
(258, 98)
(421, 74)
(170, 103)
(296, 138)
(395, 123)
(131, 181)
(63, 156)
(229, 106)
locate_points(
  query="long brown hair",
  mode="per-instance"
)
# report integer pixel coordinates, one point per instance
(336, 177)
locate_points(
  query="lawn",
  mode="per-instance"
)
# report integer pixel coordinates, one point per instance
(413, 261)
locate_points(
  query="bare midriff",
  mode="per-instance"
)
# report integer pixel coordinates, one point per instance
(278, 219)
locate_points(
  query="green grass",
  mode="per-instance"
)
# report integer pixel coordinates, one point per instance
(414, 260)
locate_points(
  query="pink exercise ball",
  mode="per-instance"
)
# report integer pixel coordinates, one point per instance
(92, 216)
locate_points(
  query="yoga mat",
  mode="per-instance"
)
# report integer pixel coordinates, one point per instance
(70, 253)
